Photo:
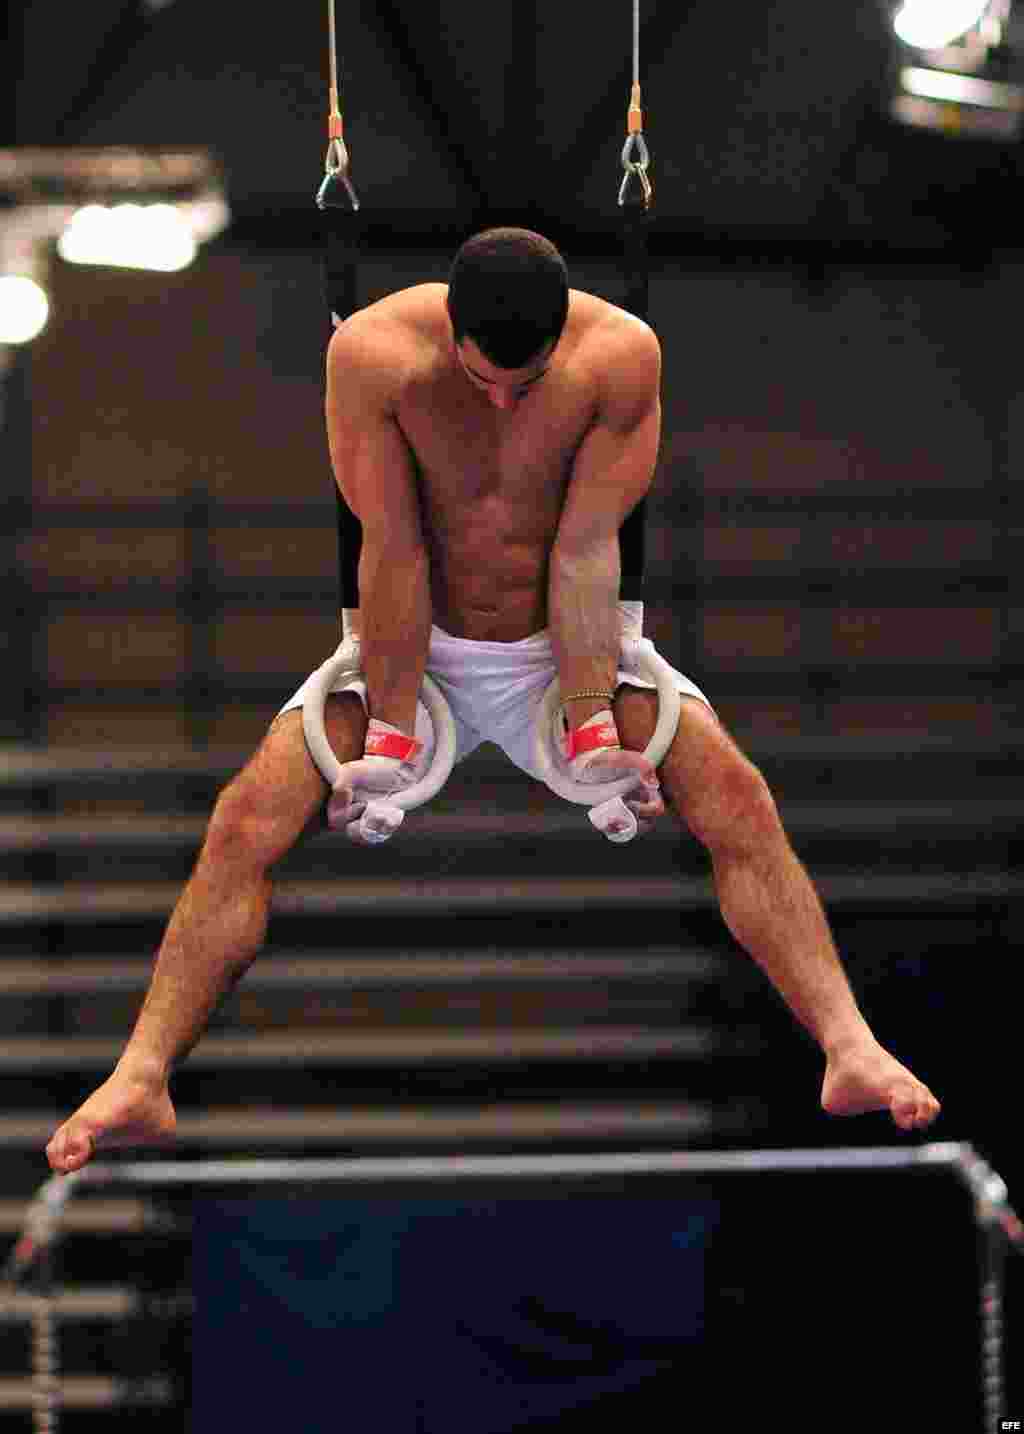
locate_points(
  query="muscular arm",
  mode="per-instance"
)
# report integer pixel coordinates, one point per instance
(613, 469)
(376, 473)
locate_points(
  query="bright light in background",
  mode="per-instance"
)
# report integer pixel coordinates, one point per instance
(24, 309)
(961, 89)
(932, 24)
(129, 236)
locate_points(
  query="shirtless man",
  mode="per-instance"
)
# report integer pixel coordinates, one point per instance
(491, 434)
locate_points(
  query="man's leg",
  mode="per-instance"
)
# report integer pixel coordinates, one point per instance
(770, 906)
(215, 931)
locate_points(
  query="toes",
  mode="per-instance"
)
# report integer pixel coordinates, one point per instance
(903, 1108)
(914, 1110)
(70, 1150)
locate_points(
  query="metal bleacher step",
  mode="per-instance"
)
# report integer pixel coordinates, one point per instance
(148, 842)
(88, 1392)
(476, 990)
(796, 762)
(101, 1214)
(87, 903)
(109, 1302)
(506, 1123)
(308, 1050)
(294, 970)
(27, 833)
(480, 842)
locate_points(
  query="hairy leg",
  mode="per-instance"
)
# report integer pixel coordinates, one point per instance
(220, 920)
(766, 896)
(770, 906)
(215, 931)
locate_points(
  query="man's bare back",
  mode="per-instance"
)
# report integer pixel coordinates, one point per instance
(493, 465)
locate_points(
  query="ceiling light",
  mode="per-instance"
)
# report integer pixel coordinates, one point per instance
(933, 24)
(24, 309)
(129, 236)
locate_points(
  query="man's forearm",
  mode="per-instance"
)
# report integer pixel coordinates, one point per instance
(583, 617)
(395, 616)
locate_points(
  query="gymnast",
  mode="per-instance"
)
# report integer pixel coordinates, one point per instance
(491, 435)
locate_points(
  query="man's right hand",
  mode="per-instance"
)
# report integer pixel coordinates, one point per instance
(373, 778)
(126, 1110)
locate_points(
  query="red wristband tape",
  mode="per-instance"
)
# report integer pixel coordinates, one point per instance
(382, 742)
(597, 731)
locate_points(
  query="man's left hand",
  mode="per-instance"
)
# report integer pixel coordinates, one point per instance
(610, 764)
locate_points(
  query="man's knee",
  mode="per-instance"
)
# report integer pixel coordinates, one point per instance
(718, 793)
(250, 826)
(733, 809)
(262, 812)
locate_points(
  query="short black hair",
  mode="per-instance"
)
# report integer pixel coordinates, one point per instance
(508, 290)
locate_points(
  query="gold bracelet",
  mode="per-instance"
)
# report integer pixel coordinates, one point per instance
(574, 696)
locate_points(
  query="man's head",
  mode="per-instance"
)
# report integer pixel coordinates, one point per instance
(508, 297)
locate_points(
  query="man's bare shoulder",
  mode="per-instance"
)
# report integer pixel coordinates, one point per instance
(619, 351)
(383, 346)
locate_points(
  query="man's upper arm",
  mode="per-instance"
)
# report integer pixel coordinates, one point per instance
(614, 465)
(373, 463)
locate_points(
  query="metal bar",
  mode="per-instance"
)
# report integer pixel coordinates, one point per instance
(45, 1342)
(94, 1392)
(990, 1313)
(424, 1170)
(70, 1303)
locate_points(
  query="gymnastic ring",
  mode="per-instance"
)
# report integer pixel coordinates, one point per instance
(431, 697)
(546, 735)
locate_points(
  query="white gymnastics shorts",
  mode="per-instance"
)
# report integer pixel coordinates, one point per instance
(495, 689)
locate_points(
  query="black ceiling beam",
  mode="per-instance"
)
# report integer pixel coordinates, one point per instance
(699, 249)
(122, 36)
(449, 121)
(516, 197)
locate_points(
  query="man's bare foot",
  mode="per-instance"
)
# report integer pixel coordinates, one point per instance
(862, 1077)
(124, 1111)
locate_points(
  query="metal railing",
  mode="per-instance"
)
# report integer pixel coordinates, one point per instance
(999, 1228)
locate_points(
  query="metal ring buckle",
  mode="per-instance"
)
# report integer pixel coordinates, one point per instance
(336, 167)
(636, 167)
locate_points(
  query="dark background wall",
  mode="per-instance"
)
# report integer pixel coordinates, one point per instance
(832, 528)
(835, 529)
(834, 292)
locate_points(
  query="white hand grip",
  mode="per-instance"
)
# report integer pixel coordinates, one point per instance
(320, 750)
(547, 736)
